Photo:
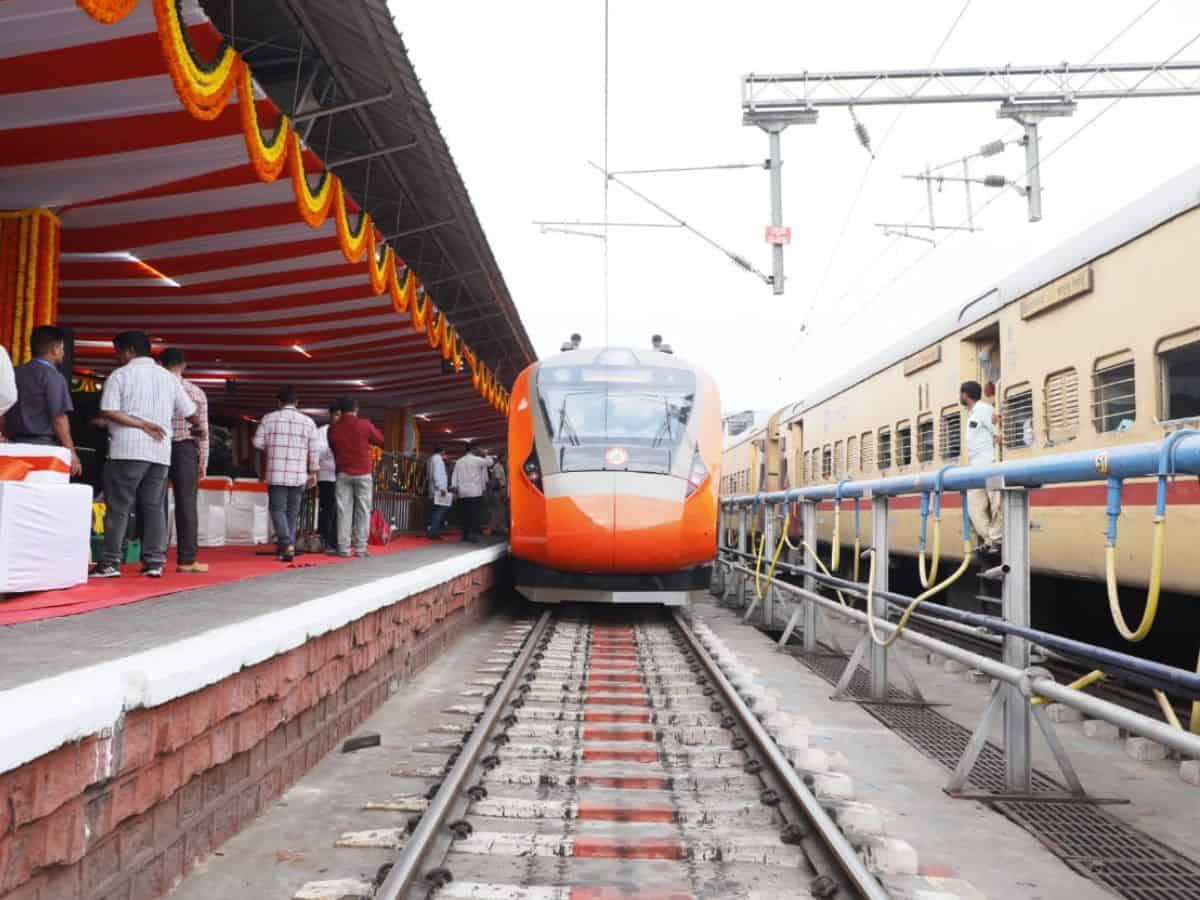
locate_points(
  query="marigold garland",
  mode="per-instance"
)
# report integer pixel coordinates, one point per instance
(204, 89)
(403, 288)
(29, 245)
(314, 207)
(354, 244)
(107, 12)
(267, 159)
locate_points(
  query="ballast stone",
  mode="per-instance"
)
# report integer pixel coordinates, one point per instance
(1144, 749)
(338, 889)
(1101, 731)
(1189, 771)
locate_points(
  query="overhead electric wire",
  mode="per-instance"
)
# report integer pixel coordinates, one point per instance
(862, 184)
(863, 271)
(1024, 174)
(606, 316)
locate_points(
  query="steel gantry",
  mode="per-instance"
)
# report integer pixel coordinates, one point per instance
(1025, 94)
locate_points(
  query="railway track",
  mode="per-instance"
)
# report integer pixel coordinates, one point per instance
(615, 757)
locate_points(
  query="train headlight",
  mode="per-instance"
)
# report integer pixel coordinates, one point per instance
(697, 473)
(533, 469)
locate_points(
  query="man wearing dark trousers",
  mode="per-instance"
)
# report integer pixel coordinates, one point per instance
(138, 403)
(468, 483)
(189, 463)
(43, 396)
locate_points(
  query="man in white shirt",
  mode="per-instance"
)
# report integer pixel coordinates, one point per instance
(439, 492)
(139, 402)
(468, 484)
(327, 485)
(982, 505)
(8, 382)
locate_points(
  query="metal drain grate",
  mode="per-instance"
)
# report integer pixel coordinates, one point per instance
(926, 729)
(1086, 837)
(1101, 847)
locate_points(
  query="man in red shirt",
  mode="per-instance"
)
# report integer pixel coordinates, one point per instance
(350, 438)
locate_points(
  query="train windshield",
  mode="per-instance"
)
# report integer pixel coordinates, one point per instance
(624, 418)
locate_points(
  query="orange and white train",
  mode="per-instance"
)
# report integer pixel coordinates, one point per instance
(614, 469)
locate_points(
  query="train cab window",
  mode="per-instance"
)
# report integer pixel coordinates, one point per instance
(951, 432)
(826, 463)
(866, 451)
(1061, 405)
(839, 459)
(1017, 417)
(925, 438)
(904, 443)
(641, 410)
(1179, 362)
(884, 452)
(851, 455)
(1114, 402)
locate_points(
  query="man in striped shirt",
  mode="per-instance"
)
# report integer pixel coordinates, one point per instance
(289, 459)
(189, 463)
(139, 401)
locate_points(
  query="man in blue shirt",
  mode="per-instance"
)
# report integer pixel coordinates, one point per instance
(43, 396)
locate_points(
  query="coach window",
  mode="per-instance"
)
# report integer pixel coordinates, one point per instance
(1179, 365)
(851, 455)
(1114, 402)
(951, 432)
(1017, 417)
(925, 438)
(866, 452)
(885, 448)
(904, 443)
(1061, 405)
(826, 463)
(839, 459)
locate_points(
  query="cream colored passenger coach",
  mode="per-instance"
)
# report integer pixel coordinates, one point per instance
(1093, 345)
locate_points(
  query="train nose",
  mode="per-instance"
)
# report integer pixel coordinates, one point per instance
(608, 521)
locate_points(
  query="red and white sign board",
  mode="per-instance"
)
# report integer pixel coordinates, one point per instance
(779, 234)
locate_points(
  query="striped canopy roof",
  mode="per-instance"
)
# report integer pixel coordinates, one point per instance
(169, 226)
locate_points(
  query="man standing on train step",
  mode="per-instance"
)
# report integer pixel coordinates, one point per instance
(982, 505)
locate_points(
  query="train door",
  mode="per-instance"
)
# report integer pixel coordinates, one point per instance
(983, 365)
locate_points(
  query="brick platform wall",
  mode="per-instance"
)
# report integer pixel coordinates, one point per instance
(123, 816)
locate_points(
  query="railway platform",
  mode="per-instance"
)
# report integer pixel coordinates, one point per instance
(136, 739)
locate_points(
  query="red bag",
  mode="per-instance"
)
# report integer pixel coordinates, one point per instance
(381, 528)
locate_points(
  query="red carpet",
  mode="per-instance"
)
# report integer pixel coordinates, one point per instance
(226, 564)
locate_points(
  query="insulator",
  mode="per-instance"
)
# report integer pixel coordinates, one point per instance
(995, 181)
(992, 148)
(864, 137)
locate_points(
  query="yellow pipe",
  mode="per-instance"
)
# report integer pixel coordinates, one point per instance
(805, 545)
(1156, 569)
(1077, 685)
(1196, 704)
(937, 554)
(1168, 710)
(917, 601)
(758, 581)
(835, 556)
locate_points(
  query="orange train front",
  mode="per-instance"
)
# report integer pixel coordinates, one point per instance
(614, 458)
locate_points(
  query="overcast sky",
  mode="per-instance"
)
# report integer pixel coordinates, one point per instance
(518, 91)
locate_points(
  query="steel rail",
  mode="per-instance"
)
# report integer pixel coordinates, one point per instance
(851, 866)
(414, 864)
(1032, 682)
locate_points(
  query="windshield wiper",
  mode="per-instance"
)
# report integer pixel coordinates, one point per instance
(565, 423)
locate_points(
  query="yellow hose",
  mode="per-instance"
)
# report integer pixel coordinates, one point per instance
(857, 555)
(917, 601)
(926, 581)
(1156, 569)
(1077, 685)
(835, 553)
(1168, 710)
(758, 581)
(1196, 704)
(806, 546)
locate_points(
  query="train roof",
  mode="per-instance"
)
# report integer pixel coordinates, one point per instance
(589, 356)
(1168, 201)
